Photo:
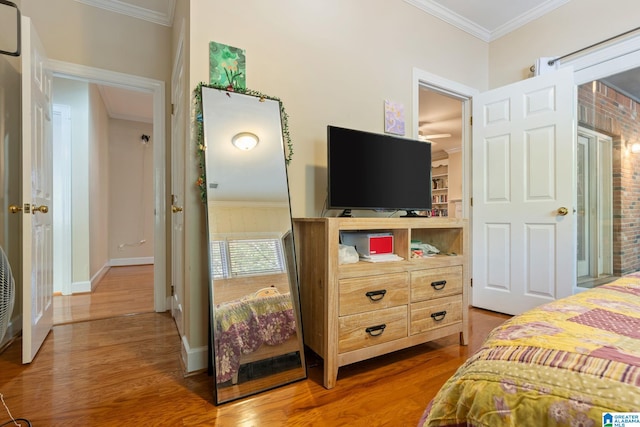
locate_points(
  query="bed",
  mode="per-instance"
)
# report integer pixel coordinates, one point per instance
(257, 326)
(566, 363)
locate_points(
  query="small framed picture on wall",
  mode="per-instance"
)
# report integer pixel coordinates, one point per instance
(394, 118)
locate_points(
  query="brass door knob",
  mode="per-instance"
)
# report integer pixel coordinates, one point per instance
(176, 209)
(41, 209)
(14, 209)
(563, 211)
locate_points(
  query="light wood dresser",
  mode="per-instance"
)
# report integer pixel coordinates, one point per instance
(352, 312)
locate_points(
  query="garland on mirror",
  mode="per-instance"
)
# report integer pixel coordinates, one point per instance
(201, 147)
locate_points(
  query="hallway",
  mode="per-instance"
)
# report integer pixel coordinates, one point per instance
(122, 291)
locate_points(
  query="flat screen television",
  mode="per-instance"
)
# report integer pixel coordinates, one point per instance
(372, 171)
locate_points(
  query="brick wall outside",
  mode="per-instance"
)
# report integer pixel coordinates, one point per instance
(607, 111)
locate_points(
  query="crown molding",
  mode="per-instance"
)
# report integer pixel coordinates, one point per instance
(447, 15)
(163, 18)
(525, 18)
(434, 8)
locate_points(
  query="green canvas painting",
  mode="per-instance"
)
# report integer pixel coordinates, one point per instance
(227, 66)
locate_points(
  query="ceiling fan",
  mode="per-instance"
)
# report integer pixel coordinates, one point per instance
(437, 136)
(422, 136)
(433, 136)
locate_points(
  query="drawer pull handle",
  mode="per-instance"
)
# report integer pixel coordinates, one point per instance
(439, 284)
(375, 331)
(376, 295)
(439, 315)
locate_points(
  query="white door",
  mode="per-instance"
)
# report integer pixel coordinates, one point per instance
(37, 176)
(178, 148)
(523, 193)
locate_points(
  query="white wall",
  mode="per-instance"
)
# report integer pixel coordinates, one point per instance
(77, 33)
(105, 193)
(573, 26)
(98, 170)
(331, 62)
(75, 94)
(131, 193)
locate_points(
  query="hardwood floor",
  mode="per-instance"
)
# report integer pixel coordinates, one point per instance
(122, 291)
(127, 371)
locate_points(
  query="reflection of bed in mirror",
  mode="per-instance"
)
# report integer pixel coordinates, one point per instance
(252, 325)
(254, 317)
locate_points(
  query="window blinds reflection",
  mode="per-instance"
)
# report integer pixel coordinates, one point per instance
(233, 258)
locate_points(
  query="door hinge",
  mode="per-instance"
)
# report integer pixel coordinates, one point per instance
(173, 290)
(472, 282)
(472, 202)
(471, 120)
(173, 108)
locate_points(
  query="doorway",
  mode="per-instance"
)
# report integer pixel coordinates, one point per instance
(442, 115)
(440, 124)
(156, 89)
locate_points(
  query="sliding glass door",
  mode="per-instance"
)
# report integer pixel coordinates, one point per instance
(594, 216)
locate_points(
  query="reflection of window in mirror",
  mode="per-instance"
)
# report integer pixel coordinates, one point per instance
(233, 258)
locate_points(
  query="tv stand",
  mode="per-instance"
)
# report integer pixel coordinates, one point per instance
(353, 312)
(412, 214)
(345, 213)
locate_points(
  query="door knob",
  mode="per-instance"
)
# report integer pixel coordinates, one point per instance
(176, 209)
(14, 209)
(42, 209)
(563, 211)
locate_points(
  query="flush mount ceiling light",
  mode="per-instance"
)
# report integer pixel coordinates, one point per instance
(245, 141)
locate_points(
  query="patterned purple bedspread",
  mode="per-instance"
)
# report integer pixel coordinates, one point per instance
(242, 326)
(566, 363)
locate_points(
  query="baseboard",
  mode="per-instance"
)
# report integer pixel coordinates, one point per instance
(194, 359)
(98, 276)
(120, 262)
(80, 287)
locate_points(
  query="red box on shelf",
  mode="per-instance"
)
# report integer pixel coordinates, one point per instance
(369, 243)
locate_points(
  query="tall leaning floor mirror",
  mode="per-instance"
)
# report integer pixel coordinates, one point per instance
(255, 305)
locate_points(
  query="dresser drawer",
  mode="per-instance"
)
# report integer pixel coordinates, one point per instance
(428, 315)
(435, 283)
(362, 294)
(368, 329)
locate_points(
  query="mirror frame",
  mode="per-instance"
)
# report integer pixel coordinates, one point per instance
(18, 49)
(288, 248)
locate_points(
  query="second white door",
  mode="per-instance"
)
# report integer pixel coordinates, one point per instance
(523, 193)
